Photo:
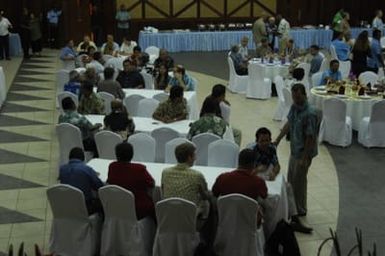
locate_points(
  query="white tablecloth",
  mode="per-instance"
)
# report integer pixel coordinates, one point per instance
(190, 96)
(3, 87)
(356, 108)
(276, 204)
(273, 69)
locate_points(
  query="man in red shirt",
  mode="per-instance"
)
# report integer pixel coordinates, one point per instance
(242, 180)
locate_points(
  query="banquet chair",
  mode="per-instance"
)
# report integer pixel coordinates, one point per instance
(336, 127)
(62, 95)
(123, 233)
(116, 63)
(237, 83)
(131, 103)
(316, 79)
(287, 99)
(371, 131)
(324, 65)
(68, 64)
(62, 77)
(176, 233)
(223, 153)
(368, 77)
(225, 111)
(333, 52)
(258, 86)
(69, 136)
(153, 52)
(202, 142)
(162, 136)
(345, 68)
(144, 147)
(170, 149)
(146, 107)
(280, 112)
(305, 67)
(238, 232)
(107, 57)
(106, 142)
(161, 97)
(73, 232)
(148, 80)
(382, 42)
(107, 98)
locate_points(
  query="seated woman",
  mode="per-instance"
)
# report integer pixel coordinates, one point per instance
(174, 109)
(162, 78)
(133, 177)
(119, 121)
(182, 79)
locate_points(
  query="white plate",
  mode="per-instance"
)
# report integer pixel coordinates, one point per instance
(365, 97)
(322, 92)
(320, 88)
(342, 96)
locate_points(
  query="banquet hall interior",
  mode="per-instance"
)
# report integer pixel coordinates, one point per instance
(345, 193)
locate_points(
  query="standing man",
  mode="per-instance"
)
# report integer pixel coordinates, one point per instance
(122, 17)
(271, 29)
(5, 25)
(53, 16)
(25, 35)
(377, 21)
(259, 30)
(282, 32)
(302, 125)
(97, 25)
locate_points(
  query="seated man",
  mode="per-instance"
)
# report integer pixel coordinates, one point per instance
(81, 176)
(243, 50)
(119, 121)
(130, 77)
(73, 84)
(264, 49)
(332, 75)
(109, 85)
(71, 116)
(240, 65)
(208, 122)
(68, 52)
(174, 109)
(110, 47)
(83, 46)
(96, 62)
(127, 47)
(164, 58)
(291, 52)
(342, 48)
(181, 79)
(316, 60)
(90, 103)
(184, 182)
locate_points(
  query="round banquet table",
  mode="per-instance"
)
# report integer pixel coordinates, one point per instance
(273, 69)
(356, 107)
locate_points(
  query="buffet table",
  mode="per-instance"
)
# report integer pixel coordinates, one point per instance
(15, 48)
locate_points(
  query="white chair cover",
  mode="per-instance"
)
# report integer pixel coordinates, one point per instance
(153, 52)
(146, 107)
(371, 132)
(176, 233)
(116, 63)
(258, 86)
(144, 147)
(333, 52)
(148, 80)
(68, 64)
(305, 80)
(316, 79)
(345, 68)
(106, 142)
(324, 65)
(237, 83)
(122, 233)
(162, 136)
(368, 77)
(382, 42)
(107, 57)
(62, 77)
(107, 98)
(202, 142)
(225, 111)
(238, 233)
(62, 95)
(223, 153)
(336, 127)
(73, 232)
(170, 149)
(281, 111)
(131, 103)
(69, 136)
(161, 97)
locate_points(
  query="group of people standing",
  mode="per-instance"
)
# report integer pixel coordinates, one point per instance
(30, 33)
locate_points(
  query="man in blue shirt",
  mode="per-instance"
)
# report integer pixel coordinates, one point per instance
(342, 48)
(332, 75)
(376, 60)
(77, 174)
(68, 52)
(53, 16)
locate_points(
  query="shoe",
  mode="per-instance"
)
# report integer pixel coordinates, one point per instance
(299, 227)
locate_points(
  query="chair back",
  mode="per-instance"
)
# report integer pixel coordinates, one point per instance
(62, 95)
(107, 57)
(333, 52)
(132, 102)
(232, 72)
(148, 80)
(69, 136)
(345, 68)
(287, 97)
(368, 77)
(62, 77)
(146, 107)
(378, 112)
(316, 79)
(279, 84)
(68, 64)
(334, 110)
(170, 149)
(202, 142)
(306, 68)
(152, 50)
(223, 153)
(161, 97)
(144, 147)
(225, 111)
(162, 136)
(107, 98)
(106, 142)
(324, 65)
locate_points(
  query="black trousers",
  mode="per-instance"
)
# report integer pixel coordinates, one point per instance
(25, 41)
(4, 46)
(36, 46)
(53, 35)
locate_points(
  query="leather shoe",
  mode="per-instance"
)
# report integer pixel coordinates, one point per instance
(299, 227)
